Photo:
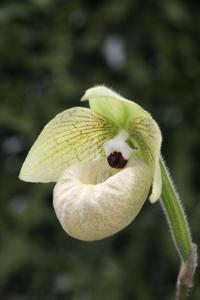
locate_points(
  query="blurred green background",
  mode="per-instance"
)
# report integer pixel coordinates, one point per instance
(51, 51)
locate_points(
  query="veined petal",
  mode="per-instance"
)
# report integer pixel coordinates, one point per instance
(146, 136)
(92, 202)
(77, 134)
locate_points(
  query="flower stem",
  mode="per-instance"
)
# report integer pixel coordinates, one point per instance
(180, 233)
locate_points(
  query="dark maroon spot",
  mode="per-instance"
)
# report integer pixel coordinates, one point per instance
(116, 160)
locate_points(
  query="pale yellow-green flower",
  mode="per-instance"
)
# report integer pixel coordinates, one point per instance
(104, 159)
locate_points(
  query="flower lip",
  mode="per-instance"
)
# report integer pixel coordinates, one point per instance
(116, 160)
(93, 201)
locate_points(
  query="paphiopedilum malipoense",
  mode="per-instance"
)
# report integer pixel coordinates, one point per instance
(104, 160)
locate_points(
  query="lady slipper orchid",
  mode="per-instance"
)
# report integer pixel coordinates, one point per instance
(104, 160)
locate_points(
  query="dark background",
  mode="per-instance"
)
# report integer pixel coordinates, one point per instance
(50, 53)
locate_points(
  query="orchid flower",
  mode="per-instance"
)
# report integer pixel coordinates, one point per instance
(104, 160)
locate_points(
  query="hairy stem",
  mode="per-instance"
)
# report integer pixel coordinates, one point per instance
(180, 232)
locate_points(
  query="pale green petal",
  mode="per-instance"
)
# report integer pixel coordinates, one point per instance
(157, 185)
(77, 134)
(146, 136)
(92, 203)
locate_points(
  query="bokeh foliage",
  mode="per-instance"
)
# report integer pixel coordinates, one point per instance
(50, 52)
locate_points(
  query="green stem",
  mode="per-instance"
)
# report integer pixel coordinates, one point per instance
(175, 215)
(180, 232)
